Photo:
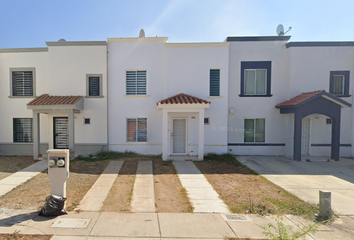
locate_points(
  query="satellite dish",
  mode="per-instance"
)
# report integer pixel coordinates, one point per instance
(61, 40)
(142, 33)
(280, 30)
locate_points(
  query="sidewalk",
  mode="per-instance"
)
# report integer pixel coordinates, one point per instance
(12, 181)
(109, 225)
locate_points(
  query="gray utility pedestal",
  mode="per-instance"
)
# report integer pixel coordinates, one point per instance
(325, 204)
(58, 170)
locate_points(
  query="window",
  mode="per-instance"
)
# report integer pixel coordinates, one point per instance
(328, 120)
(22, 129)
(136, 82)
(206, 121)
(94, 85)
(87, 121)
(22, 82)
(136, 130)
(339, 83)
(255, 79)
(214, 82)
(254, 130)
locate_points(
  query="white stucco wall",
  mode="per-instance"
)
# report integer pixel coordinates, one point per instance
(68, 66)
(16, 107)
(310, 71)
(258, 107)
(59, 71)
(171, 69)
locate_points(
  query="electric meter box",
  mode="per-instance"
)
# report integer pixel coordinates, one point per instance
(58, 170)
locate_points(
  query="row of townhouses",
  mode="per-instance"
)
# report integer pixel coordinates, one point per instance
(245, 96)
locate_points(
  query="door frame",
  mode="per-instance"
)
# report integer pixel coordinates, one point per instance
(186, 136)
(308, 136)
(54, 126)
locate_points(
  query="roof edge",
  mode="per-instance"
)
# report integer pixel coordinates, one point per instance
(320, 44)
(257, 38)
(197, 44)
(138, 39)
(77, 43)
(17, 50)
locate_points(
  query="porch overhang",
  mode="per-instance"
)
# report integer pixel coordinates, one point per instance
(54, 104)
(47, 102)
(182, 103)
(317, 102)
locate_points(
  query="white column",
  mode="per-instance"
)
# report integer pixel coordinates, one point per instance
(36, 135)
(72, 130)
(164, 135)
(201, 135)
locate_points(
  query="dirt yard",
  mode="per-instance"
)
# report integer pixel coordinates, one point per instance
(241, 189)
(16, 236)
(119, 198)
(170, 196)
(10, 165)
(246, 192)
(32, 194)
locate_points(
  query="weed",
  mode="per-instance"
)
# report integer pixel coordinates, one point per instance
(280, 231)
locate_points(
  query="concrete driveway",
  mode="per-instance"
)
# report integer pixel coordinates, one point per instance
(305, 179)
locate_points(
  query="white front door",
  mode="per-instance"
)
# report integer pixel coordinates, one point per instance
(179, 134)
(305, 137)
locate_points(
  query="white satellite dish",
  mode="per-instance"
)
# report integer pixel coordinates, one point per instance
(61, 40)
(142, 33)
(280, 30)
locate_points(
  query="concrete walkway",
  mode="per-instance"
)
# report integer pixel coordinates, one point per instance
(94, 198)
(143, 200)
(110, 225)
(305, 179)
(12, 181)
(201, 194)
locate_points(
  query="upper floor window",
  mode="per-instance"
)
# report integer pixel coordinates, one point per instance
(339, 83)
(22, 129)
(94, 85)
(214, 82)
(136, 82)
(22, 82)
(255, 79)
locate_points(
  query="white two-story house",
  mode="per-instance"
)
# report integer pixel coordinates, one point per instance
(54, 97)
(168, 98)
(245, 96)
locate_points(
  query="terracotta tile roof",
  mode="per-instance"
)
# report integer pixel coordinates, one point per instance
(299, 99)
(46, 99)
(183, 99)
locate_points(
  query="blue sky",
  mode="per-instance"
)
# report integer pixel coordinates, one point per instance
(30, 23)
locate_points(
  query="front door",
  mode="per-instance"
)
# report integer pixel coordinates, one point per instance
(179, 142)
(305, 138)
(61, 136)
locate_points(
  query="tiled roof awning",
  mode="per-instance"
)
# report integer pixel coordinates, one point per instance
(309, 96)
(183, 99)
(47, 101)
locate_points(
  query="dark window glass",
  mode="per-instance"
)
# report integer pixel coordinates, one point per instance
(22, 129)
(94, 88)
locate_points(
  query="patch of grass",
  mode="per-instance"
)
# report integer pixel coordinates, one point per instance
(112, 155)
(229, 159)
(245, 191)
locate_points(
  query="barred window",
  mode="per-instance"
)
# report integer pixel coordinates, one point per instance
(22, 83)
(22, 129)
